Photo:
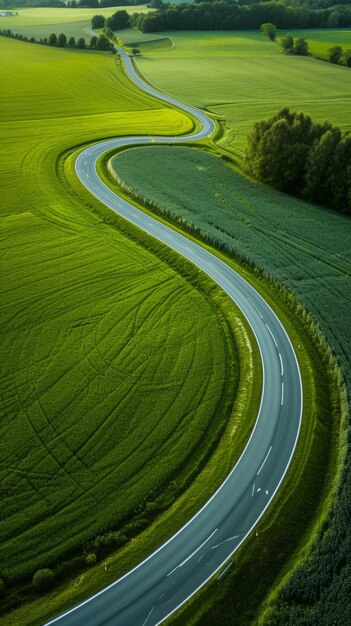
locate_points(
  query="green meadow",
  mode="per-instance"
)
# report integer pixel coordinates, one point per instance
(118, 370)
(242, 77)
(40, 22)
(319, 41)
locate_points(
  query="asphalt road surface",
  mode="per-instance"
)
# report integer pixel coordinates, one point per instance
(202, 548)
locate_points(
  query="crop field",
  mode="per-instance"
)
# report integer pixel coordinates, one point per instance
(243, 77)
(113, 364)
(300, 244)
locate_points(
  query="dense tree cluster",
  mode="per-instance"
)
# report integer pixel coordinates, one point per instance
(299, 47)
(229, 15)
(295, 155)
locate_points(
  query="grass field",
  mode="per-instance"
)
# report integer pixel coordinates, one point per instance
(117, 372)
(40, 22)
(243, 77)
(319, 41)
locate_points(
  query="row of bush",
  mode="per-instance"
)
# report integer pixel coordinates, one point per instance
(61, 40)
(293, 154)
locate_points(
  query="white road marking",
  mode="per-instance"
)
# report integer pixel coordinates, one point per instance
(148, 615)
(253, 489)
(254, 305)
(225, 571)
(225, 541)
(266, 457)
(281, 364)
(259, 489)
(271, 334)
(282, 400)
(192, 554)
(266, 493)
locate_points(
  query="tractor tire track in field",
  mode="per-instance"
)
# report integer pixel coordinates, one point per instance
(158, 586)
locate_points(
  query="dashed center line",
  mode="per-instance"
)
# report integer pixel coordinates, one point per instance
(271, 334)
(266, 457)
(192, 554)
(282, 400)
(281, 364)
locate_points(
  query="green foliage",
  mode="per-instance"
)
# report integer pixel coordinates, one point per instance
(98, 21)
(103, 43)
(81, 43)
(227, 15)
(287, 42)
(335, 53)
(269, 30)
(61, 40)
(301, 47)
(93, 41)
(53, 40)
(72, 42)
(118, 20)
(43, 579)
(291, 153)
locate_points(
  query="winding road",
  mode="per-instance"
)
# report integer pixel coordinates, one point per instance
(159, 585)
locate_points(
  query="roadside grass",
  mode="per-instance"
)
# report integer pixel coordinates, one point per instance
(118, 372)
(243, 77)
(305, 248)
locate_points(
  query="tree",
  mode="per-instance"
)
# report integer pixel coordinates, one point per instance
(320, 166)
(347, 57)
(334, 54)
(333, 19)
(103, 43)
(287, 43)
(61, 40)
(118, 20)
(301, 47)
(72, 42)
(270, 30)
(81, 43)
(43, 579)
(98, 21)
(52, 39)
(93, 41)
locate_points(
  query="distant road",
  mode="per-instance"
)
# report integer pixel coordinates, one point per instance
(167, 578)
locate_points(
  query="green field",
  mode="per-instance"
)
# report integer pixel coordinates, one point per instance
(118, 372)
(243, 77)
(40, 22)
(319, 41)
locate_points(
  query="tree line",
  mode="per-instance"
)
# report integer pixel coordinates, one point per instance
(71, 4)
(229, 15)
(62, 41)
(294, 154)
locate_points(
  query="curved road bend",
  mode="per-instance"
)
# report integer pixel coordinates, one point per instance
(167, 578)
